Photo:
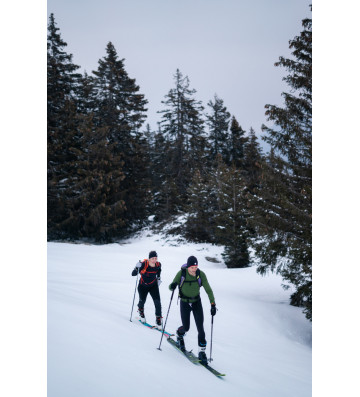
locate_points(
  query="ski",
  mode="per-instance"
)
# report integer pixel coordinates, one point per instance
(186, 353)
(212, 370)
(167, 334)
(194, 359)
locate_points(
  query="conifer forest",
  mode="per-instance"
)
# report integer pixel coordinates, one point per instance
(109, 174)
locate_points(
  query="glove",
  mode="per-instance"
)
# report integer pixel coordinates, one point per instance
(138, 265)
(173, 286)
(159, 282)
(213, 309)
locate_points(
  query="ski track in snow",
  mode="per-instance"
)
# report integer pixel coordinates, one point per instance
(260, 342)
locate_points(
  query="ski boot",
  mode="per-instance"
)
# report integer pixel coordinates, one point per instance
(202, 355)
(180, 341)
(142, 315)
(158, 322)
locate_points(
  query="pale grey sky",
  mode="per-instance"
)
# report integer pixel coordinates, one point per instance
(227, 47)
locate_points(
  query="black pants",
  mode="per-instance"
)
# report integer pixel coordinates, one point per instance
(155, 294)
(197, 309)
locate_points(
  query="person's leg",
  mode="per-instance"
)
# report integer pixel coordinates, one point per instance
(199, 321)
(143, 291)
(155, 294)
(185, 310)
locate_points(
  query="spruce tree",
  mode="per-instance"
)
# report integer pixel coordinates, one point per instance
(218, 122)
(162, 185)
(284, 216)
(94, 188)
(230, 216)
(236, 144)
(119, 104)
(62, 79)
(252, 161)
(62, 125)
(120, 108)
(200, 210)
(182, 126)
(86, 104)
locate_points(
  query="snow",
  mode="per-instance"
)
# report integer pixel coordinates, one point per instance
(260, 342)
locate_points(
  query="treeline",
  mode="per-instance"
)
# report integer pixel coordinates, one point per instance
(108, 173)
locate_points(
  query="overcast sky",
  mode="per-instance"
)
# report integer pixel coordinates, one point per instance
(227, 47)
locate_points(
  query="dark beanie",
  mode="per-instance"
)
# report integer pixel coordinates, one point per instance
(152, 254)
(192, 261)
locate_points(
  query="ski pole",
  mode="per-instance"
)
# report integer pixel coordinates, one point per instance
(134, 295)
(212, 324)
(162, 334)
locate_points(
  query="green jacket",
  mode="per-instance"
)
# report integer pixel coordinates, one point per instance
(192, 289)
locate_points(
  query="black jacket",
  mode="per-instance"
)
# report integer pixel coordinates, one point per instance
(148, 274)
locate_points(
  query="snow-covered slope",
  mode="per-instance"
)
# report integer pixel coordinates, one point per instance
(262, 344)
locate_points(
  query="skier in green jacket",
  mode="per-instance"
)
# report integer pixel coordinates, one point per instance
(189, 279)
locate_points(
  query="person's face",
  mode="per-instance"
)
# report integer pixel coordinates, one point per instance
(192, 270)
(153, 260)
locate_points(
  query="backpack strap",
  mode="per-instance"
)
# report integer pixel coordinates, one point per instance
(182, 281)
(146, 261)
(198, 278)
(183, 276)
(146, 266)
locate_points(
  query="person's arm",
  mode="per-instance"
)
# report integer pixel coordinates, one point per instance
(137, 269)
(158, 276)
(176, 281)
(207, 287)
(209, 291)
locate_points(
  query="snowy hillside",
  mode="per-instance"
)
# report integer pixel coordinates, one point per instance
(262, 344)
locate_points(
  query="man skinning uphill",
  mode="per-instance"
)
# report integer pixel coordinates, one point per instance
(150, 270)
(189, 279)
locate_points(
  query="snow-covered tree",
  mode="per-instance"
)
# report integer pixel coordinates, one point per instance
(231, 213)
(284, 213)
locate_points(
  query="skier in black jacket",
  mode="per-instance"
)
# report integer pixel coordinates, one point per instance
(150, 270)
